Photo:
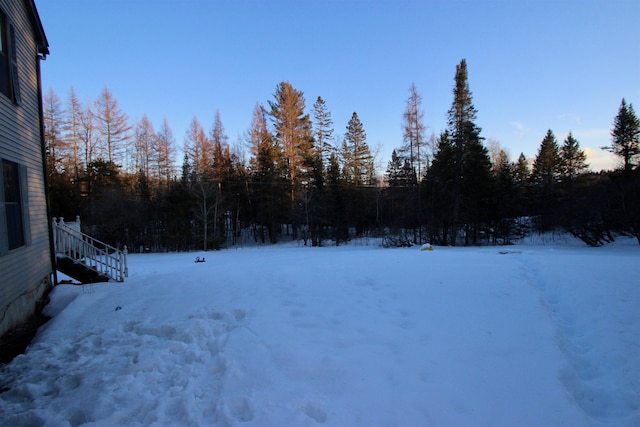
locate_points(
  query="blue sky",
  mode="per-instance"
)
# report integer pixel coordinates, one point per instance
(533, 65)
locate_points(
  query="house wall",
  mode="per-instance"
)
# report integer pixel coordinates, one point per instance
(25, 272)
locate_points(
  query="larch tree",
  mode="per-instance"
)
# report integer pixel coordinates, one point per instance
(113, 126)
(205, 192)
(87, 135)
(226, 172)
(294, 134)
(144, 146)
(625, 136)
(53, 125)
(293, 130)
(199, 150)
(64, 199)
(413, 131)
(220, 149)
(71, 128)
(165, 152)
(414, 151)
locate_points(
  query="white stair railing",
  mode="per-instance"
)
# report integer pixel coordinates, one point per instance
(105, 259)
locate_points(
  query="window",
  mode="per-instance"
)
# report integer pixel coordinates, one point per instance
(13, 206)
(8, 60)
(4, 60)
(2, 36)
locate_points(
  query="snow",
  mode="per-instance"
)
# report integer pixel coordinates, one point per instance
(528, 335)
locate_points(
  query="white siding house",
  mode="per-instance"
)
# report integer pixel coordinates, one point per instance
(26, 267)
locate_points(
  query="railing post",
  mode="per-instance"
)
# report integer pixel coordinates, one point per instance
(82, 248)
(126, 266)
(55, 234)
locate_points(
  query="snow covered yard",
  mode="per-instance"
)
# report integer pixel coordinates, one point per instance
(287, 336)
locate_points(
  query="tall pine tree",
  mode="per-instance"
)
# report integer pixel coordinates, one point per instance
(472, 180)
(547, 169)
(625, 136)
(573, 160)
(358, 162)
(323, 130)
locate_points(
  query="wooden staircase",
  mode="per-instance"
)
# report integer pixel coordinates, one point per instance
(84, 258)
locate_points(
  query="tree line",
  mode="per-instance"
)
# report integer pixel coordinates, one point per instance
(292, 176)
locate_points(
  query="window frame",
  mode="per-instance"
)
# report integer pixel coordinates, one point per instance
(6, 245)
(10, 83)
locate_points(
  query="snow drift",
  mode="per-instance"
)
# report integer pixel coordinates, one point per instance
(527, 336)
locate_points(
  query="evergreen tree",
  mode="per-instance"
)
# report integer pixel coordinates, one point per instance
(625, 143)
(323, 129)
(357, 174)
(521, 170)
(625, 136)
(547, 166)
(547, 169)
(268, 193)
(176, 213)
(460, 115)
(572, 160)
(472, 179)
(395, 190)
(521, 176)
(186, 170)
(394, 170)
(506, 200)
(401, 197)
(477, 189)
(440, 191)
(336, 200)
(357, 167)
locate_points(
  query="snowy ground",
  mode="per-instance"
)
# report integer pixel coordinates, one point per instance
(545, 335)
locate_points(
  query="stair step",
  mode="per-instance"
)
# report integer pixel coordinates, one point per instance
(79, 271)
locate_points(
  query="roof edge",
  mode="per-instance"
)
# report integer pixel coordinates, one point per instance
(38, 29)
